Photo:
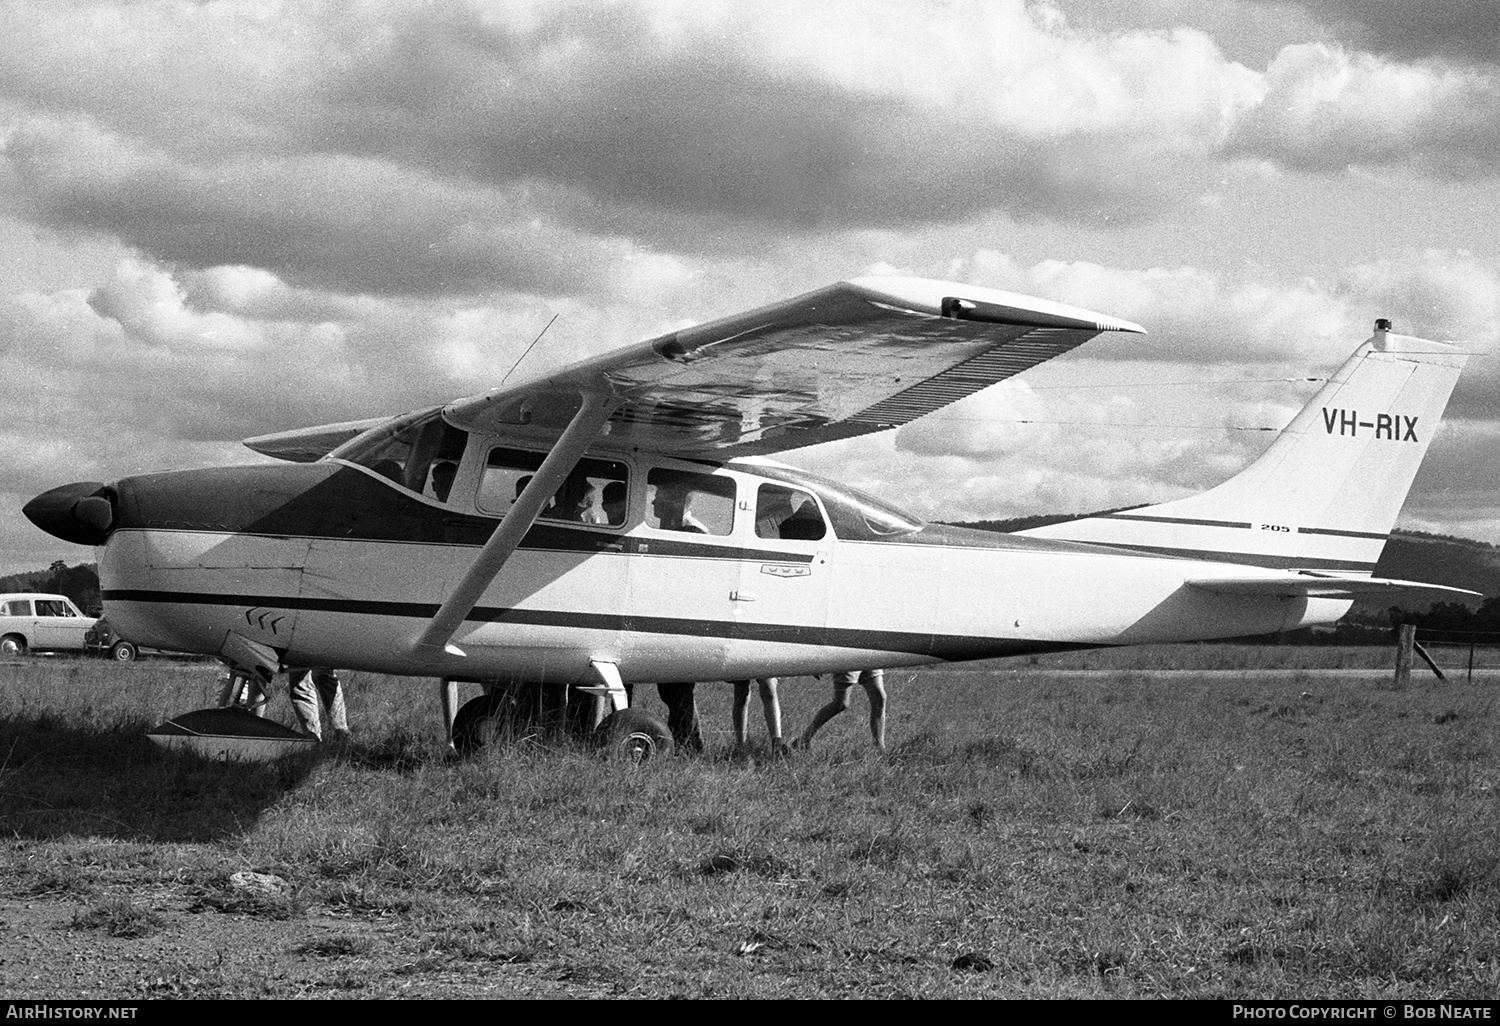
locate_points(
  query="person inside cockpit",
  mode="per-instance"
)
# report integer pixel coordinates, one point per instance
(669, 506)
(440, 483)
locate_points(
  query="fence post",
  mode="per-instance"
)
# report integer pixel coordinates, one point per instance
(1404, 638)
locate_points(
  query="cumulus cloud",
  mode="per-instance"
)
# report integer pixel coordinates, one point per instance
(399, 150)
(339, 222)
(1324, 109)
(1450, 29)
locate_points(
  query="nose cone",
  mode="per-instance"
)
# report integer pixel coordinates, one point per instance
(82, 513)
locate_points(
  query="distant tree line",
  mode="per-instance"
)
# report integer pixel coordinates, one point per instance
(1378, 627)
(1455, 618)
(80, 583)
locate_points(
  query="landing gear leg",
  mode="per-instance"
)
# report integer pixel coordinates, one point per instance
(448, 699)
(243, 689)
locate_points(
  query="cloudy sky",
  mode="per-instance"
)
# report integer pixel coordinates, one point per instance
(221, 219)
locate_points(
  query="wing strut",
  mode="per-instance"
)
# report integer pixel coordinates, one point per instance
(581, 431)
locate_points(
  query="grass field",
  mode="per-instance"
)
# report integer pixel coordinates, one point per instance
(1033, 831)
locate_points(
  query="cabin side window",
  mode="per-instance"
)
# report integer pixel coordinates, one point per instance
(421, 453)
(594, 493)
(683, 500)
(787, 513)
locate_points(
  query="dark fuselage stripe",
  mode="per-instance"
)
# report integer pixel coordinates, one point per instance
(1259, 559)
(1241, 525)
(1343, 534)
(1177, 520)
(564, 541)
(942, 646)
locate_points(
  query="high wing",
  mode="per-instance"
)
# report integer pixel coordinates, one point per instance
(853, 358)
(856, 357)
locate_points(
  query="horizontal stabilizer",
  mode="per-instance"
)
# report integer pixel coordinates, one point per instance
(1306, 585)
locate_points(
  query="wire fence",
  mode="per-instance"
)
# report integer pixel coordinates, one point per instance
(1462, 652)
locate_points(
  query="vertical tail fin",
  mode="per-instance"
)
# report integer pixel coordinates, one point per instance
(1327, 492)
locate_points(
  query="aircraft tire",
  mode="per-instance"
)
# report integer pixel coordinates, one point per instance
(634, 736)
(483, 720)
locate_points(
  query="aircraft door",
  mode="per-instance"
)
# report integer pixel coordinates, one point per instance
(785, 576)
(685, 567)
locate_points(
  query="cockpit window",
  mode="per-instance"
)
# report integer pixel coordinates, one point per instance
(789, 513)
(420, 452)
(684, 500)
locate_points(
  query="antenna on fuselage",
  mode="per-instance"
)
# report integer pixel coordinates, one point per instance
(528, 351)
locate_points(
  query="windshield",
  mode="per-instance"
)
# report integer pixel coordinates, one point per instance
(420, 452)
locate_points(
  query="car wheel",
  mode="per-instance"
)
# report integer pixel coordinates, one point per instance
(12, 645)
(123, 652)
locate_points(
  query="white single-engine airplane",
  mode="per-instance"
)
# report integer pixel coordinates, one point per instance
(616, 522)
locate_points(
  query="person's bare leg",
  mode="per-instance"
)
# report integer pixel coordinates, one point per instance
(740, 710)
(875, 691)
(839, 703)
(770, 702)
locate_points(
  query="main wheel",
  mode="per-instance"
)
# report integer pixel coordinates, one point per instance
(635, 736)
(500, 714)
(12, 645)
(123, 652)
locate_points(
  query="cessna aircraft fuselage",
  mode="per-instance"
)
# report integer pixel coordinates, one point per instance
(332, 564)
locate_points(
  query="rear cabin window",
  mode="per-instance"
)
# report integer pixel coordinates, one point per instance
(16, 607)
(682, 500)
(594, 493)
(787, 513)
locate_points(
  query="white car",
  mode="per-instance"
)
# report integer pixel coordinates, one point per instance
(47, 623)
